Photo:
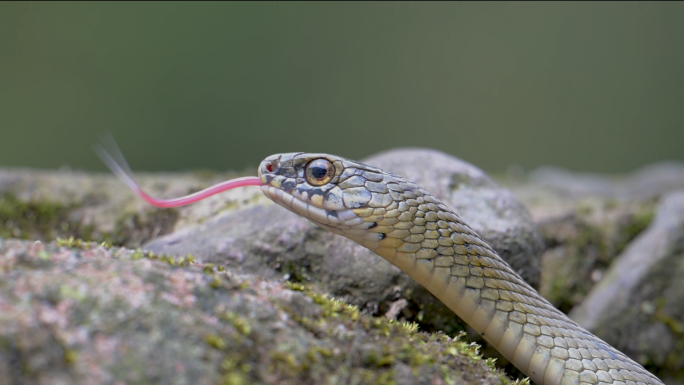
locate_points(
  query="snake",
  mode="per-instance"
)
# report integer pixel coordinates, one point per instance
(410, 228)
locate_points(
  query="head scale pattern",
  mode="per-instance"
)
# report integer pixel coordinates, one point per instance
(360, 202)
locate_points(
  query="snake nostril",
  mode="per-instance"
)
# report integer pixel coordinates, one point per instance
(272, 166)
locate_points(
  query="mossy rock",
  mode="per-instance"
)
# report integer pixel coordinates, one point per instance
(77, 312)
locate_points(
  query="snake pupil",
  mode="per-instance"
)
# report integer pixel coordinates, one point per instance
(318, 172)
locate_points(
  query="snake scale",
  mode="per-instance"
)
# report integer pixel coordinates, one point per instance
(413, 230)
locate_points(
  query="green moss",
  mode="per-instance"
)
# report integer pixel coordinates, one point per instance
(295, 286)
(672, 323)
(235, 378)
(137, 255)
(215, 341)
(72, 293)
(71, 356)
(46, 220)
(242, 325)
(38, 220)
(588, 248)
(296, 271)
(637, 223)
(519, 381)
(216, 283)
(70, 242)
(372, 358)
(338, 325)
(132, 229)
(395, 342)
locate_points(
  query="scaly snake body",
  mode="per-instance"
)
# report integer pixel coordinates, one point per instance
(413, 230)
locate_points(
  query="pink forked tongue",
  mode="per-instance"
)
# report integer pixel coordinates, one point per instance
(120, 168)
(198, 196)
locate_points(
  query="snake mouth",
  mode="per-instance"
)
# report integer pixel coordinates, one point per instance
(327, 218)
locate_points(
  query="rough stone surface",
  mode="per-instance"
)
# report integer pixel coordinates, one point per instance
(37, 204)
(587, 221)
(553, 192)
(582, 244)
(637, 306)
(85, 314)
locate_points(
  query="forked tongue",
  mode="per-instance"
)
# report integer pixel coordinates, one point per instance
(111, 155)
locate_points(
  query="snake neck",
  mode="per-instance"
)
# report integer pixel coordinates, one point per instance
(442, 253)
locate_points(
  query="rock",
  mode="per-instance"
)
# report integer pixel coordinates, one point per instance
(43, 205)
(647, 182)
(583, 243)
(638, 306)
(80, 313)
(553, 192)
(267, 237)
(587, 219)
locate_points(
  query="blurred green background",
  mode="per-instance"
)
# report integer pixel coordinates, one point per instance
(587, 86)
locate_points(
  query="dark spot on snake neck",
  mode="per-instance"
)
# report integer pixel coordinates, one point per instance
(382, 236)
(331, 213)
(374, 224)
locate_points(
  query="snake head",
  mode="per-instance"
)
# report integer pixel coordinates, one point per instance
(345, 197)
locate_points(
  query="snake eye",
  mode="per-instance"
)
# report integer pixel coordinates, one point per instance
(320, 172)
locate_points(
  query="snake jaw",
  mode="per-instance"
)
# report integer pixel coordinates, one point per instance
(343, 218)
(338, 222)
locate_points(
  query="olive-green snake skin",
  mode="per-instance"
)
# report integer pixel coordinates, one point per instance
(413, 230)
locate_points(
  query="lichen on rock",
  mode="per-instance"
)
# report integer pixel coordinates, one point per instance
(91, 314)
